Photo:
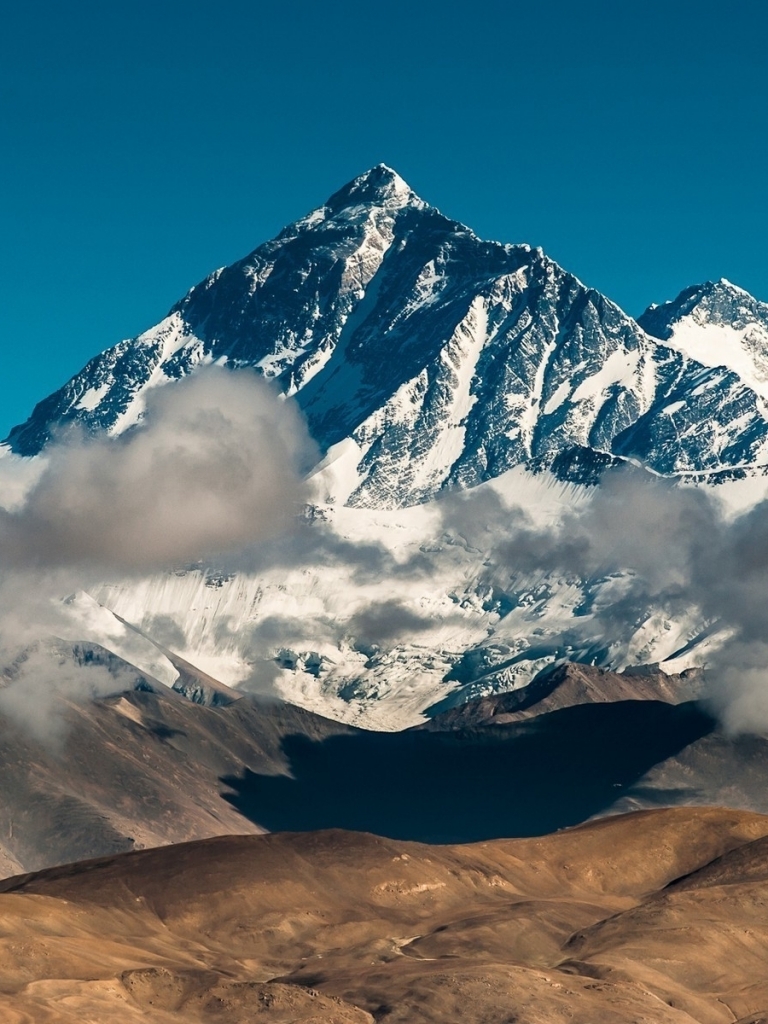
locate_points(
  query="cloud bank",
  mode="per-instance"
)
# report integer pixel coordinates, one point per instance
(216, 472)
(671, 548)
(216, 465)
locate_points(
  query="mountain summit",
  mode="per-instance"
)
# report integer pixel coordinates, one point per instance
(425, 358)
(717, 324)
(381, 186)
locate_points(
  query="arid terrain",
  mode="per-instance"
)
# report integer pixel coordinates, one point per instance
(657, 917)
(149, 767)
(343, 911)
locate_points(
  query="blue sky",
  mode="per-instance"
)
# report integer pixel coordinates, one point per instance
(146, 144)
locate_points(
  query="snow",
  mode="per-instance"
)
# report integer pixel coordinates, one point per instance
(338, 475)
(307, 610)
(422, 357)
(86, 619)
(618, 367)
(93, 396)
(167, 339)
(458, 360)
(672, 408)
(735, 288)
(317, 601)
(529, 414)
(744, 351)
(557, 398)
(739, 495)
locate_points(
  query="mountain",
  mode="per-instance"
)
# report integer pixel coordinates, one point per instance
(717, 324)
(428, 363)
(387, 613)
(145, 766)
(563, 686)
(656, 918)
(139, 767)
(430, 358)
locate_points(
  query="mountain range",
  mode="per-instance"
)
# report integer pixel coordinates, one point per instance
(398, 665)
(427, 363)
(443, 360)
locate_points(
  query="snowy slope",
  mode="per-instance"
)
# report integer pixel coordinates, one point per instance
(415, 615)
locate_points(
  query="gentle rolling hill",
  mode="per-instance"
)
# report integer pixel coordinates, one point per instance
(655, 917)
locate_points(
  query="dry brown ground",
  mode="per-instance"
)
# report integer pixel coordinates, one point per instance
(138, 769)
(659, 916)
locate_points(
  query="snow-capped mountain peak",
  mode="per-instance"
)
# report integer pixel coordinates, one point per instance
(380, 186)
(439, 360)
(426, 359)
(718, 324)
(718, 301)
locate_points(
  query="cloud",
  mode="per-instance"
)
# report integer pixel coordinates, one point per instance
(384, 622)
(217, 463)
(662, 546)
(165, 631)
(17, 478)
(38, 682)
(215, 474)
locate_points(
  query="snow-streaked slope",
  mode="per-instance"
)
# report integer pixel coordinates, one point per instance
(83, 618)
(426, 361)
(723, 330)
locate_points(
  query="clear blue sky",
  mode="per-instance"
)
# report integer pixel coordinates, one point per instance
(145, 144)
